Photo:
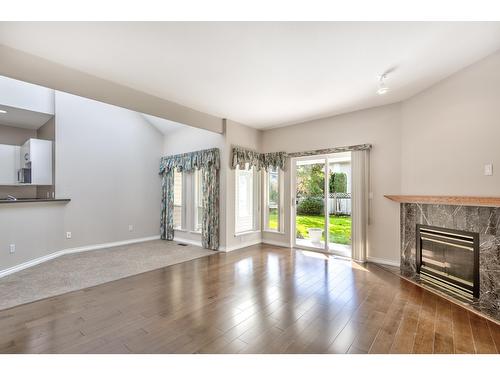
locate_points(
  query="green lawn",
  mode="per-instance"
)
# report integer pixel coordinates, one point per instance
(339, 227)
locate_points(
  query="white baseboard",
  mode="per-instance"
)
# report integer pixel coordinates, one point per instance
(57, 254)
(387, 262)
(240, 245)
(277, 243)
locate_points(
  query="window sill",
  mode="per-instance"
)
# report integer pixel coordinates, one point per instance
(180, 230)
(195, 231)
(273, 231)
(247, 232)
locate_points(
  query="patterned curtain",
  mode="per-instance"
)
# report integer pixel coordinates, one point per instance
(191, 161)
(209, 162)
(242, 156)
(210, 202)
(167, 206)
(274, 160)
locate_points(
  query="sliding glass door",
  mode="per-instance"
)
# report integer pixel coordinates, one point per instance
(322, 203)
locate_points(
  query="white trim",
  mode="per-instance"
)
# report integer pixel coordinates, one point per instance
(57, 254)
(272, 231)
(277, 243)
(190, 242)
(388, 262)
(239, 234)
(240, 245)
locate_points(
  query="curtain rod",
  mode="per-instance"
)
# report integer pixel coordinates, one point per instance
(365, 146)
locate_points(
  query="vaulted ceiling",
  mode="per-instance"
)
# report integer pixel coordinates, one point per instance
(263, 74)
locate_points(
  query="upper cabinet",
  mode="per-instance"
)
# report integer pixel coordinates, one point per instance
(36, 160)
(10, 162)
(29, 164)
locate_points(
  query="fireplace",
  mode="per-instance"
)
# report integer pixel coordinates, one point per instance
(448, 259)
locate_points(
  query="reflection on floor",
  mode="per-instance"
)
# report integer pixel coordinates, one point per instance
(334, 248)
(262, 299)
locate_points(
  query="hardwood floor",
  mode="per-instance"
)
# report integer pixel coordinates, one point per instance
(262, 299)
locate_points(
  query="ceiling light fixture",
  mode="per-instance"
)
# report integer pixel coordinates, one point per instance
(382, 87)
(2, 111)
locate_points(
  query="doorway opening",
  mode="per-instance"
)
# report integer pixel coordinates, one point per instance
(322, 216)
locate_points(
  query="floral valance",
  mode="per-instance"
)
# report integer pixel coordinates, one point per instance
(242, 156)
(190, 161)
(274, 160)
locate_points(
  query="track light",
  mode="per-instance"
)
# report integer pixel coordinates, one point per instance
(382, 87)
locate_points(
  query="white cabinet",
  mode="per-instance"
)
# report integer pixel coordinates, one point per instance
(9, 164)
(37, 155)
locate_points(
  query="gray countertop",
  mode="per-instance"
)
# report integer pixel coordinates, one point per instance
(34, 200)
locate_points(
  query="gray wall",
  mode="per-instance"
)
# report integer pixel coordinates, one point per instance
(450, 131)
(107, 162)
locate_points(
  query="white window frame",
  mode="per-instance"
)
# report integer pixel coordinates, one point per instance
(194, 209)
(183, 203)
(281, 211)
(188, 206)
(256, 202)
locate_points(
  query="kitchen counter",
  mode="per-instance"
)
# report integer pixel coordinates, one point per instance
(34, 200)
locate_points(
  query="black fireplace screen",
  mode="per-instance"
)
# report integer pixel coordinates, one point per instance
(449, 260)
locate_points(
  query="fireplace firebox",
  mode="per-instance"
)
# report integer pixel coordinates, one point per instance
(448, 260)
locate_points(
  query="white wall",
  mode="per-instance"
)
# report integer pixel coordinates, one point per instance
(19, 94)
(378, 126)
(450, 131)
(107, 162)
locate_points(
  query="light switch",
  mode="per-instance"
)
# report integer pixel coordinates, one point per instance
(488, 169)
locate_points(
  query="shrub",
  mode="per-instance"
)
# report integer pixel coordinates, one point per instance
(310, 206)
(338, 183)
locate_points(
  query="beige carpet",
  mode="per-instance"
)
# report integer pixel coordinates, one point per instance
(82, 270)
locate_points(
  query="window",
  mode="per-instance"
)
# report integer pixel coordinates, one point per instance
(198, 200)
(188, 201)
(246, 200)
(273, 200)
(178, 206)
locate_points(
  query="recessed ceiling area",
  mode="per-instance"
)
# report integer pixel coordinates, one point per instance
(22, 118)
(263, 74)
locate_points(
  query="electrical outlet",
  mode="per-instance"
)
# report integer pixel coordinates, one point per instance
(130, 228)
(488, 169)
(68, 235)
(12, 248)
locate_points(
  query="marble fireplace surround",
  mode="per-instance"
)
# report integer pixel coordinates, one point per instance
(461, 214)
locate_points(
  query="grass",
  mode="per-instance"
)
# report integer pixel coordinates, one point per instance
(339, 226)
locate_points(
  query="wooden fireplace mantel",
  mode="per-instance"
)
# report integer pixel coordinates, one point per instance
(446, 199)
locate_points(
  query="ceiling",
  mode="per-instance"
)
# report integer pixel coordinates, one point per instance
(263, 74)
(23, 118)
